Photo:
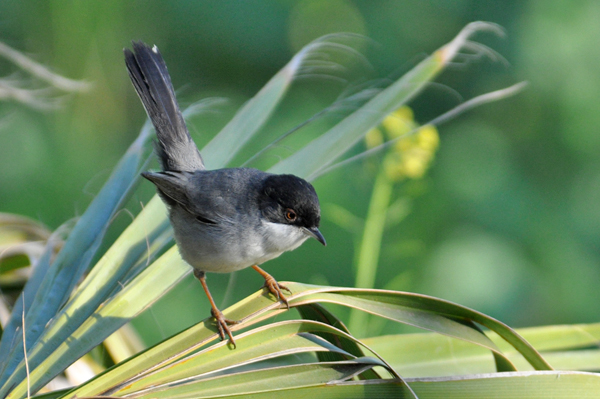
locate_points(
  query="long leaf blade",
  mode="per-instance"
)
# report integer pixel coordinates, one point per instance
(393, 301)
(530, 385)
(116, 312)
(253, 115)
(267, 342)
(74, 258)
(261, 380)
(328, 147)
(570, 347)
(258, 307)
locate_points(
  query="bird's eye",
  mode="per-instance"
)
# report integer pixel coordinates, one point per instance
(290, 215)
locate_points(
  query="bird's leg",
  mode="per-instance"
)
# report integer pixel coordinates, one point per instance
(222, 323)
(274, 287)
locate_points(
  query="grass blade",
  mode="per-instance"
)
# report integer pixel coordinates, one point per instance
(316, 312)
(325, 149)
(74, 258)
(430, 313)
(131, 248)
(9, 335)
(261, 380)
(450, 319)
(118, 310)
(264, 343)
(433, 355)
(253, 115)
(530, 385)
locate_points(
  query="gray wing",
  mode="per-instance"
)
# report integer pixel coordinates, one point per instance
(212, 196)
(148, 72)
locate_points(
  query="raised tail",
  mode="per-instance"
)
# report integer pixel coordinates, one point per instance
(148, 72)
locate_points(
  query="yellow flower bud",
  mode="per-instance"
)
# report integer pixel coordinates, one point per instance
(374, 138)
(404, 112)
(398, 122)
(411, 154)
(428, 138)
(404, 144)
(415, 164)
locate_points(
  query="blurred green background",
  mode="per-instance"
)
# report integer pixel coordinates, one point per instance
(506, 221)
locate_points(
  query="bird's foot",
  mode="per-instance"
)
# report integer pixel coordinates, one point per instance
(273, 286)
(277, 289)
(223, 325)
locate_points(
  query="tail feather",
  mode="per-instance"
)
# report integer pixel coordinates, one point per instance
(148, 72)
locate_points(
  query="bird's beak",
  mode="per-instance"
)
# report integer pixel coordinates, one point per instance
(316, 234)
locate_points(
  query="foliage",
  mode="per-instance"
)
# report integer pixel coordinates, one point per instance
(58, 319)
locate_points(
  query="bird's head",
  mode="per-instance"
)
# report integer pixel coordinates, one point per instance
(290, 200)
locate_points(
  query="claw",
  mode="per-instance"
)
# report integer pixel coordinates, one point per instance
(223, 325)
(274, 287)
(277, 289)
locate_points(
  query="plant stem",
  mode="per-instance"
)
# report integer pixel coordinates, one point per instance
(370, 246)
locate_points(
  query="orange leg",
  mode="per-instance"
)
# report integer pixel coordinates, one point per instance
(222, 323)
(274, 287)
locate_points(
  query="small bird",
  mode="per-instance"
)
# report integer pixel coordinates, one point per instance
(225, 219)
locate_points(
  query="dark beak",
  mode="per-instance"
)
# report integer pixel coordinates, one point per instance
(316, 234)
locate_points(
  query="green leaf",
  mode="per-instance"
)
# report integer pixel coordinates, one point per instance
(571, 347)
(328, 147)
(132, 248)
(24, 237)
(22, 241)
(136, 296)
(10, 337)
(117, 289)
(317, 312)
(419, 310)
(551, 338)
(74, 258)
(266, 379)
(424, 312)
(253, 115)
(530, 385)
(263, 343)
(52, 395)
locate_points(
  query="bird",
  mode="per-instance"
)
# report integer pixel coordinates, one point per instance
(223, 220)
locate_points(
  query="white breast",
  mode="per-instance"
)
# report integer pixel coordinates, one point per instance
(208, 251)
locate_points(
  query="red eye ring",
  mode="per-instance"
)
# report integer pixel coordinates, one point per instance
(290, 215)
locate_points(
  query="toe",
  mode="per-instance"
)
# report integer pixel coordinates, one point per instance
(223, 326)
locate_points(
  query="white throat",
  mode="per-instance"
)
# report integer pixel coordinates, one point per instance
(279, 237)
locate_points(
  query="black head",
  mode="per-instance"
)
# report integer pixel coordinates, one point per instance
(288, 199)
